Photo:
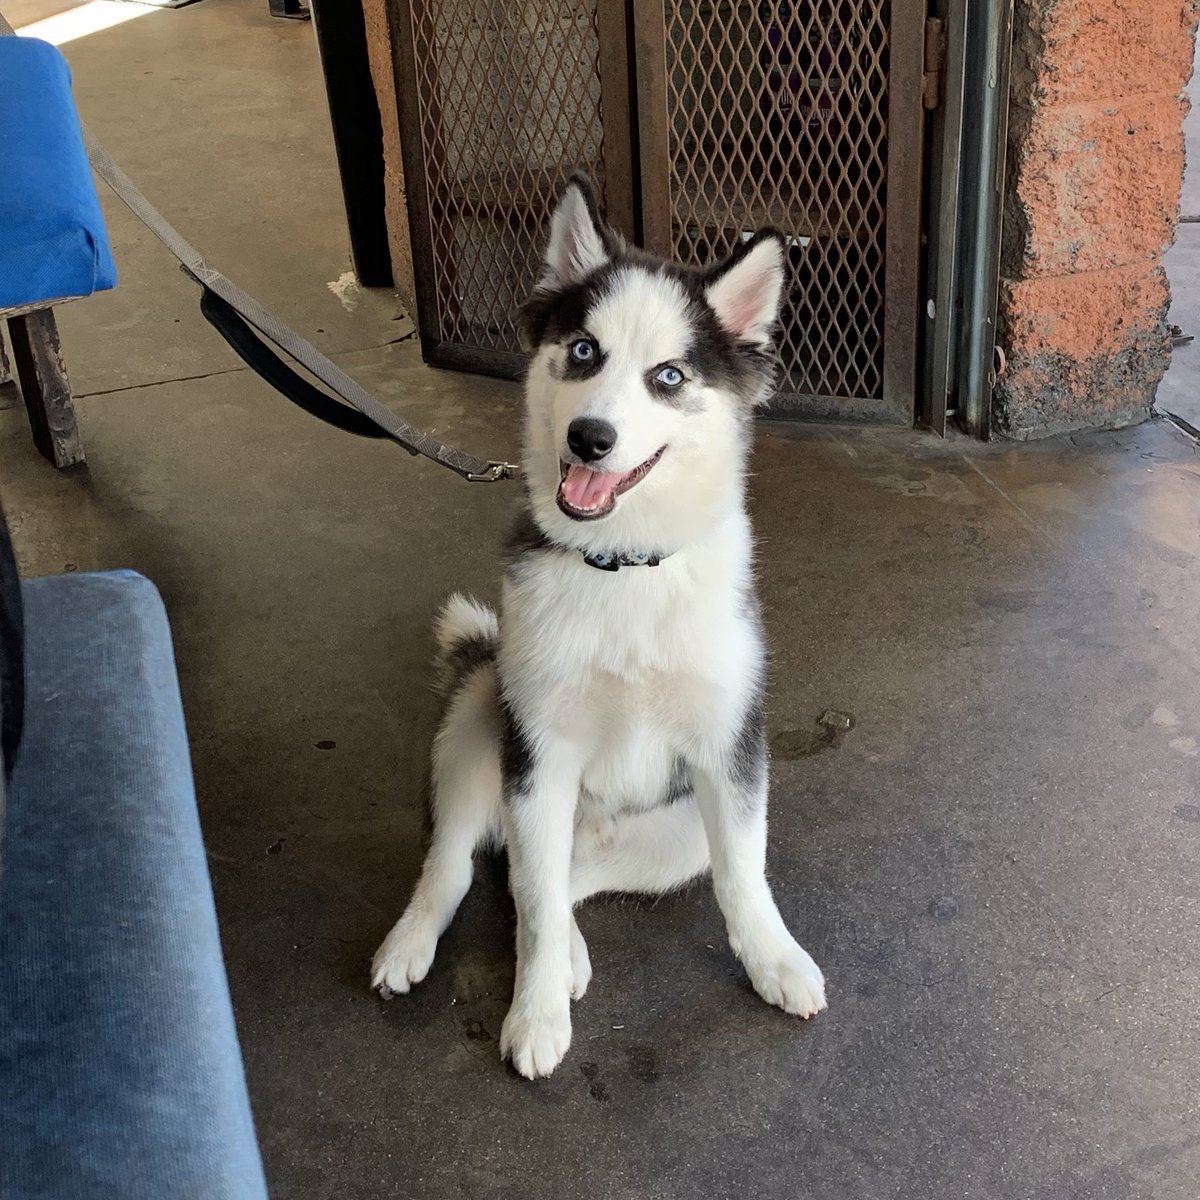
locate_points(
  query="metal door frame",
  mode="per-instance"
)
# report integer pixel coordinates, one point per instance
(902, 202)
(965, 220)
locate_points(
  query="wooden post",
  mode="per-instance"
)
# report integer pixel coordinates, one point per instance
(43, 378)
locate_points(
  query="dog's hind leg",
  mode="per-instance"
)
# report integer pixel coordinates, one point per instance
(651, 852)
(466, 814)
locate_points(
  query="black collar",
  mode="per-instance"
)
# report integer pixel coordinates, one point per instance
(527, 535)
(614, 562)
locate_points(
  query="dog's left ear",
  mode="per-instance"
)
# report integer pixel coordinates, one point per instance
(579, 242)
(745, 290)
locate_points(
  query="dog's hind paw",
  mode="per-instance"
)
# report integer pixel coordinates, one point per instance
(788, 978)
(581, 964)
(404, 958)
(535, 1043)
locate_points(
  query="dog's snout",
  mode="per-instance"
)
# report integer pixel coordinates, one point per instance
(590, 438)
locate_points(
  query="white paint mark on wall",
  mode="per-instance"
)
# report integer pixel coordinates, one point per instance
(345, 288)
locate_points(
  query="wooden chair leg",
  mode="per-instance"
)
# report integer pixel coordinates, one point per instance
(43, 378)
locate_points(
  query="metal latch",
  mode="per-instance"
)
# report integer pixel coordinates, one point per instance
(935, 61)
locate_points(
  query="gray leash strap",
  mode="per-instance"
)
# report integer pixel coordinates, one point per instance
(474, 470)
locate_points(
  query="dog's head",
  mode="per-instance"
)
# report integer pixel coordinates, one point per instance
(642, 379)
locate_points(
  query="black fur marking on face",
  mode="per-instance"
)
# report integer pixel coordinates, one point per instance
(675, 397)
(560, 314)
(747, 764)
(573, 369)
(716, 356)
(557, 315)
(570, 368)
(517, 756)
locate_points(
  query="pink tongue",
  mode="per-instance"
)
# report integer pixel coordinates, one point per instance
(584, 488)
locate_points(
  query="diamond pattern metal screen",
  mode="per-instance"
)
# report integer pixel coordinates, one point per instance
(508, 103)
(777, 115)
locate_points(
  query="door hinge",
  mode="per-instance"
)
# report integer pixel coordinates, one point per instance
(935, 61)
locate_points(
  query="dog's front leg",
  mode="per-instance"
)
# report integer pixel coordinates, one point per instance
(731, 790)
(541, 791)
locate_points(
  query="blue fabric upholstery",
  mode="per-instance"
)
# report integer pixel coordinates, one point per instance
(12, 660)
(52, 238)
(120, 1072)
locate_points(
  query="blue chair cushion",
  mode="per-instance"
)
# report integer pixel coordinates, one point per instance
(120, 1072)
(52, 239)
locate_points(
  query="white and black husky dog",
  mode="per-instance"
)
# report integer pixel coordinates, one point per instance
(607, 728)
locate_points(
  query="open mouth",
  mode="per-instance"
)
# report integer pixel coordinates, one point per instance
(586, 495)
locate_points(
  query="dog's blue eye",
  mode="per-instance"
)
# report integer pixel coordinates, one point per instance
(583, 350)
(670, 377)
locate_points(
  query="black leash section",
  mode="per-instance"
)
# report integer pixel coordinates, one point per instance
(237, 315)
(265, 363)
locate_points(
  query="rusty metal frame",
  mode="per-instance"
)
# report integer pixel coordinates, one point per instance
(902, 251)
(616, 117)
(400, 21)
(900, 302)
(379, 18)
(524, 210)
(650, 50)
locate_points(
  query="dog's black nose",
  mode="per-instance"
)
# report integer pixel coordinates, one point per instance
(590, 438)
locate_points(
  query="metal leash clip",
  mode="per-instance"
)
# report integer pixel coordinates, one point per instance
(495, 473)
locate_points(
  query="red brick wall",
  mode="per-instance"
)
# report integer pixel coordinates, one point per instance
(1095, 162)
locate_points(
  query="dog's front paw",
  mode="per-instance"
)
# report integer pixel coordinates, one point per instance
(404, 958)
(786, 976)
(536, 1042)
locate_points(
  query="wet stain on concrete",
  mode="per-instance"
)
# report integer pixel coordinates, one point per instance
(597, 1088)
(827, 732)
(643, 1063)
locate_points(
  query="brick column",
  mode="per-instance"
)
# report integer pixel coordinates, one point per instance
(1095, 163)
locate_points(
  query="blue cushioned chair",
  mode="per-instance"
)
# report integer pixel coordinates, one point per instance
(120, 1073)
(53, 246)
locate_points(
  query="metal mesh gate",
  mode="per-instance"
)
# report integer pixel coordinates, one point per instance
(779, 113)
(506, 98)
(749, 113)
(779, 118)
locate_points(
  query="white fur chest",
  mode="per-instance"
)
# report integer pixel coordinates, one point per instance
(631, 667)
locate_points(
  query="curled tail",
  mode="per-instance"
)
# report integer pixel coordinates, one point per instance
(468, 635)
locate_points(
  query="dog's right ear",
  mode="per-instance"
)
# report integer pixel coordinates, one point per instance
(579, 243)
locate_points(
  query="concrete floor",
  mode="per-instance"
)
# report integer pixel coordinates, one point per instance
(997, 867)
